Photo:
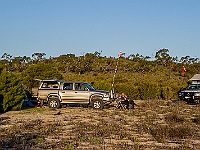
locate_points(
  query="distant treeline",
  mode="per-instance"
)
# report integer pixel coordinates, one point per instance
(140, 77)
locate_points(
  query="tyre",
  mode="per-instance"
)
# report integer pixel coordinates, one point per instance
(131, 104)
(54, 103)
(197, 101)
(40, 103)
(97, 104)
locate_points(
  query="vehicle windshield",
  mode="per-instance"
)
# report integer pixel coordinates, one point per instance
(193, 86)
(91, 88)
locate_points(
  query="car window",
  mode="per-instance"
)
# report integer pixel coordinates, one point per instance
(45, 85)
(50, 84)
(91, 88)
(80, 87)
(68, 86)
(192, 87)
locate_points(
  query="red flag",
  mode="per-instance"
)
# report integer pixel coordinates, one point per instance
(120, 54)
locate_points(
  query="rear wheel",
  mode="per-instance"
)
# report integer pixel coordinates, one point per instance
(97, 104)
(54, 103)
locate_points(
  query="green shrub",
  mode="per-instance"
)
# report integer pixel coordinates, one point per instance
(1, 103)
(149, 90)
(11, 92)
(166, 92)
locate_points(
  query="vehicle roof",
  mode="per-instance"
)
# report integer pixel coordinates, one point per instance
(74, 82)
(196, 77)
(43, 80)
(46, 80)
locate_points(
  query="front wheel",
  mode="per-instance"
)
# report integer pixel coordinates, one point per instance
(97, 104)
(54, 103)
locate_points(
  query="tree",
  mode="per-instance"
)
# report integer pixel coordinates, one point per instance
(97, 54)
(135, 57)
(189, 60)
(38, 56)
(11, 92)
(163, 57)
(38, 71)
(83, 64)
(7, 58)
(65, 63)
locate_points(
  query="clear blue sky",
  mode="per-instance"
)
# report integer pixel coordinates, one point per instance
(58, 27)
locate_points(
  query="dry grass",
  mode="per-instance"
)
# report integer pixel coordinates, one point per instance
(153, 124)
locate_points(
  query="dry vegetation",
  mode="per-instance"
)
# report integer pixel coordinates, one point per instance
(153, 124)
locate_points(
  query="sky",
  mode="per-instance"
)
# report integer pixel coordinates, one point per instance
(59, 27)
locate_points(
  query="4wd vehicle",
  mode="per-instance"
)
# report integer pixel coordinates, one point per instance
(54, 93)
(191, 94)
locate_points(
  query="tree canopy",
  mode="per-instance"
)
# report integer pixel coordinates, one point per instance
(39, 71)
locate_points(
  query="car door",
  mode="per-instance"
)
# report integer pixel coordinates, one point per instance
(67, 93)
(82, 93)
(74, 93)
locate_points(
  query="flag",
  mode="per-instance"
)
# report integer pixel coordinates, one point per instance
(120, 54)
(183, 71)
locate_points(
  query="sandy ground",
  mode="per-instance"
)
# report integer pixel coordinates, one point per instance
(86, 128)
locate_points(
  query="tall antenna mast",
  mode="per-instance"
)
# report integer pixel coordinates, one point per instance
(116, 67)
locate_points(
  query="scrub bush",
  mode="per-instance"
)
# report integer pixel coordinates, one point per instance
(11, 91)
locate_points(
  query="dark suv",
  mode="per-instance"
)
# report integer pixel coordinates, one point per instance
(56, 92)
(191, 94)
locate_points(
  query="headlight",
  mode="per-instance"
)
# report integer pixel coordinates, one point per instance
(106, 95)
(196, 94)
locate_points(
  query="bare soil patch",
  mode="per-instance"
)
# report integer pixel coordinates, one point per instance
(152, 124)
